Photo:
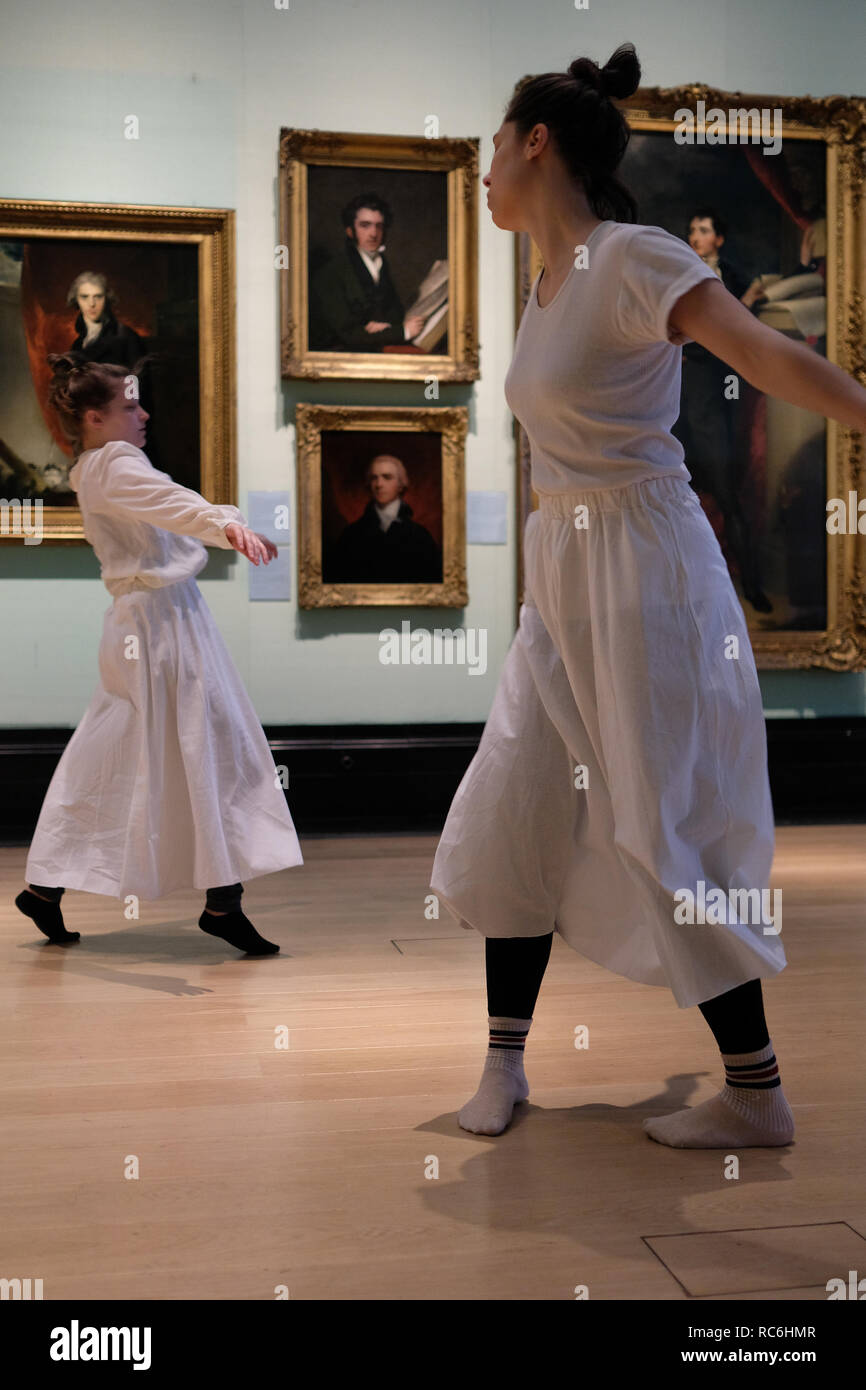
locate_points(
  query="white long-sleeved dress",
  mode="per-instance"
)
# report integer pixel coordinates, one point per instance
(168, 781)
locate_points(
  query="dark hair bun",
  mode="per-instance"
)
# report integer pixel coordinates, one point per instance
(619, 77)
(63, 364)
(621, 72)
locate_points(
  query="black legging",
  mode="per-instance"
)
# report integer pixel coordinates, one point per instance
(225, 899)
(516, 966)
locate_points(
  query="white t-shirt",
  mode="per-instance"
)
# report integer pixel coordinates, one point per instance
(147, 530)
(595, 379)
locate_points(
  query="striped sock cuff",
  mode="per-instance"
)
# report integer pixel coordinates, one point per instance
(752, 1071)
(508, 1034)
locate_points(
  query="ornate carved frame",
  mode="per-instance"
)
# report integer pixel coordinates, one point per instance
(840, 122)
(451, 423)
(212, 230)
(459, 160)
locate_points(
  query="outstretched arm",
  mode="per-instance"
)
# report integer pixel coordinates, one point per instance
(769, 361)
(128, 485)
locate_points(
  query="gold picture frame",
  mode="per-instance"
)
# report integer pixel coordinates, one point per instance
(210, 233)
(321, 451)
(456, 160)
(838, 122)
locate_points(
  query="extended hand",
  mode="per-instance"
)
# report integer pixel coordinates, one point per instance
(250, 543)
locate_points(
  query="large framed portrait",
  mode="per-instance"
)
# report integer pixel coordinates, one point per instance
(382, 506)
(125, 284)
(780, 216)
(378, 256)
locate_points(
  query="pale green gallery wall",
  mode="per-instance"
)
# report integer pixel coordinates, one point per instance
(212, 83)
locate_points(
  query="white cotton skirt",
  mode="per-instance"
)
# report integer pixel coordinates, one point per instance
(624, 763)
(168, 782)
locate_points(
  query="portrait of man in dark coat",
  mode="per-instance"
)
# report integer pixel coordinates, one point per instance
(102, 337)
(354, 305)
(706, 423)
(384, 545)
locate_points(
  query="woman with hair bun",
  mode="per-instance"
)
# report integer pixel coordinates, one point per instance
(623, 770)
(168, 781)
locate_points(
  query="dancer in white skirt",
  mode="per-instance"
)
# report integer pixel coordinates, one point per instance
(168, 781)
(624, 764)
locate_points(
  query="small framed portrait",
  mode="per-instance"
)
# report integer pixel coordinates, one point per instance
(150, 288)
(379, 249)
(774, 207)
(382, 506)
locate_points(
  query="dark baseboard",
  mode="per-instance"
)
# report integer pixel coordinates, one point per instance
(351, 778)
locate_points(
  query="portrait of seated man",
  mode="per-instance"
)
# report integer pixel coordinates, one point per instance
(354, 305)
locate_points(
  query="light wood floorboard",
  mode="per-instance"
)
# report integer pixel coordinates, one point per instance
(308, 1167)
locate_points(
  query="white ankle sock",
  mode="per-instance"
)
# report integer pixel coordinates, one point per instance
(750, 1111)
(503, 1081)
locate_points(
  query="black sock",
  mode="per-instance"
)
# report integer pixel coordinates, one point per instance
(225, 899)
(47, 916)
(238, 931)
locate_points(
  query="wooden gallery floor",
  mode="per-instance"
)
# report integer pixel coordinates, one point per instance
(335, 1166)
